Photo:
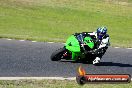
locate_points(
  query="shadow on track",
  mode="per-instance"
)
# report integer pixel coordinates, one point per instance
(104, 64)
(66, 61)
(114, 64)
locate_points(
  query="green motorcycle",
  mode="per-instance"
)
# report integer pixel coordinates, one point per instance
(77, 48)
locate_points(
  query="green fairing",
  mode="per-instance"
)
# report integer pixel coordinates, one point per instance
(73, 45)
(89, 42)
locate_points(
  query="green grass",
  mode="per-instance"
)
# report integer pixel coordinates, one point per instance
(55, 20)
(56, 84)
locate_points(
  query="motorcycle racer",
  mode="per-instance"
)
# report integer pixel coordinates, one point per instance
(85, 46)
(101, 39)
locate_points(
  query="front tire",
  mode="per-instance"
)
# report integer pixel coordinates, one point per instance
(56, 56)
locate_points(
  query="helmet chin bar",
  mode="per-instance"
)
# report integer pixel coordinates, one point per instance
(100, 36)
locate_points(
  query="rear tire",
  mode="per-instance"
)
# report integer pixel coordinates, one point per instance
(56, 56)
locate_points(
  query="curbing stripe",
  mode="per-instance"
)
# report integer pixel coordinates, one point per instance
(116, 47)
(62, 43)
(129, 48)
(9, 39)
(34, 41)
(21, 40)
(37, 78)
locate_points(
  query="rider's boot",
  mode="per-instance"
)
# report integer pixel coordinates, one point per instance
(96, 61)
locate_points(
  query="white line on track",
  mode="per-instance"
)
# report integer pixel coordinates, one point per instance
(9, 39)
(34, 41)
(117, 47)
(62, 43)
(21, 40)
(129, 48)
(37, 78)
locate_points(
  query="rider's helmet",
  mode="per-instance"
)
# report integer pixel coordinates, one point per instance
(101, 32)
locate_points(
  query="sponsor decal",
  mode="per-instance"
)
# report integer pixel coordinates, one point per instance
(83, 78)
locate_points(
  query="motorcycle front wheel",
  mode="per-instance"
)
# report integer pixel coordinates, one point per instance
(57, 55)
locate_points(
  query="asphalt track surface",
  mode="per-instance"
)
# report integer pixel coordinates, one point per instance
(31, 59)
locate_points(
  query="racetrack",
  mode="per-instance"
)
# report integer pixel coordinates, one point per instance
(28, 59)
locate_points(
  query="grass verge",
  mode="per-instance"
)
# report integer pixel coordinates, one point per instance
(56, 84)
(55, 20)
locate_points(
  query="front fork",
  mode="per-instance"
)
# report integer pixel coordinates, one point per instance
(67, 55)
(71, 55)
